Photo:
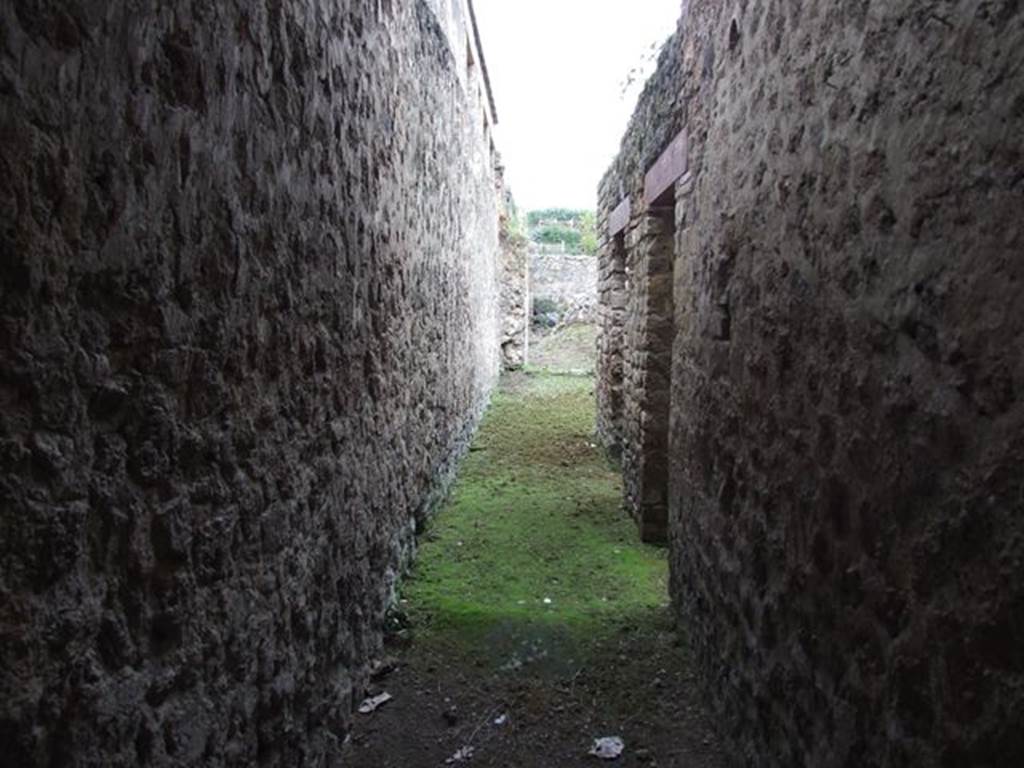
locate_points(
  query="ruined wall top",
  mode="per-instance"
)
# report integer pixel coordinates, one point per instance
(657, 119)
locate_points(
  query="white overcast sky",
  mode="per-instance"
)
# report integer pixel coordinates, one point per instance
(557, 68)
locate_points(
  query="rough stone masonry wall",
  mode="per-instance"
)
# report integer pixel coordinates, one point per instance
(848, 424)
(515, 291)
(633, 360)
(248, 259)
(569, 280)
(611, 318)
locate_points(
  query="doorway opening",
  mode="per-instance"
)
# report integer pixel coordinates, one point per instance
(656, 360)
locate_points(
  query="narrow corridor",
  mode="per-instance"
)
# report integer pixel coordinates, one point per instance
(534, 621)
(262, 265)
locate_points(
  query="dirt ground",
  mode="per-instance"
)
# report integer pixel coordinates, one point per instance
(535, 622)
(567, 348)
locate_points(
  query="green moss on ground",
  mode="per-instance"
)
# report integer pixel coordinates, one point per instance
(533, 542)
(536, 514)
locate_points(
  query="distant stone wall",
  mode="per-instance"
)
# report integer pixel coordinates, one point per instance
(569, 280)
(846, 425)
(248, 319)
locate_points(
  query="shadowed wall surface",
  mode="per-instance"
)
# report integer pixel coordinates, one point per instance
(248, 318)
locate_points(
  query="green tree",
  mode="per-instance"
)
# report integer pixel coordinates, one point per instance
(588, 232)
(561, 215)
(576, 228)
(554, 233)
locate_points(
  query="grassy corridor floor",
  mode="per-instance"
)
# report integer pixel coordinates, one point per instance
(538, 620)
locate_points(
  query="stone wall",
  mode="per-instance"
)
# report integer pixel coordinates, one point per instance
(515, 292)
(613, 297)
(847, 431)
(568, 280)
(248, 318)
(635, 289)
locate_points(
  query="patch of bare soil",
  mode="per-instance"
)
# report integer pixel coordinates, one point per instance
(542, 707)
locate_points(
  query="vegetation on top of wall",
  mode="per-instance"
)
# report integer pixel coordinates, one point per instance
(575, 229)
(554, 234)
(561, 215)
(513, 227)
(588, 233)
